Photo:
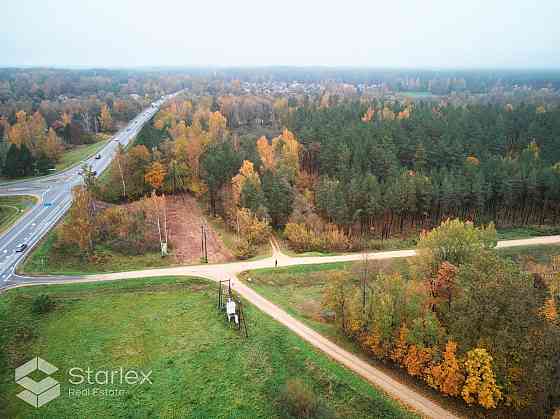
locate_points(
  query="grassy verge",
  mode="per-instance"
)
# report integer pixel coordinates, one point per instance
(46, 258)
(12, 208)
(79, 153)
(200, 367)
(540, 254)
(527, 232)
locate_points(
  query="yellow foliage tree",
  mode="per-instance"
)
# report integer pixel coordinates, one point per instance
(156, 175)
(286, 151)
(217, 126)
(253, 230)
(105, 118)
(80, 228)
(53, 146)
(480, 384)
(388, 114)
(371, 341)
(246, 173)
(266, 153)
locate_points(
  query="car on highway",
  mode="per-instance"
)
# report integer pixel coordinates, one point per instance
(21, 247)
(98, 156)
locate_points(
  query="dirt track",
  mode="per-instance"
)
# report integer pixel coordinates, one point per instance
(184, 222)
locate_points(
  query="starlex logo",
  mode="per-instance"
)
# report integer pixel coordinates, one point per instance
(37, 393)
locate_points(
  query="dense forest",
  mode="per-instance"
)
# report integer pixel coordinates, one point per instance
(388, 169)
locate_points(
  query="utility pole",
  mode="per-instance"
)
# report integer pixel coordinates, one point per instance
(364, 279)
(202, 241)
(204, 248)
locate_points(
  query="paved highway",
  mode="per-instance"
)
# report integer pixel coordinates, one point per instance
(55, 196)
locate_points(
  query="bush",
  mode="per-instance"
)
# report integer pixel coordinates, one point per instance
(242, 249)
(42, 304)
(301, 402)
(303, 239)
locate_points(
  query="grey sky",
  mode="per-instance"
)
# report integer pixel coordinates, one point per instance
(405, 33)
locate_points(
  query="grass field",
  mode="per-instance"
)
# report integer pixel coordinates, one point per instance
(200, 367)
(14, 207)
(540, 254)
(526, 232)
(44, 259)
(79, 153)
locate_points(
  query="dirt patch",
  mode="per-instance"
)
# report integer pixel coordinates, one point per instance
(184, 221)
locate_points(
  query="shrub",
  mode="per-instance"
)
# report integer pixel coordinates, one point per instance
(301, 402)
(42, 304)
(242, 249)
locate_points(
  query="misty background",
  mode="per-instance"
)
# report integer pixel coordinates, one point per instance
(429, 34)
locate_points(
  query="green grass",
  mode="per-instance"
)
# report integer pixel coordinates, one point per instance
(201, 368)
(79, 153)
(540, 254)
(47, 259)
(527, 232)
(14, 207)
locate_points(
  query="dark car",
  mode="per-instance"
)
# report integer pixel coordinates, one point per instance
(21, 248)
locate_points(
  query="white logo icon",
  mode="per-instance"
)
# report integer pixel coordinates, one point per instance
(37, 393)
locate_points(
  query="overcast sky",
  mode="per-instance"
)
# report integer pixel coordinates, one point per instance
(402, 33)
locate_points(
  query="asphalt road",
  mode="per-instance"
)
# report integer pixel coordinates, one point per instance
(55, 196)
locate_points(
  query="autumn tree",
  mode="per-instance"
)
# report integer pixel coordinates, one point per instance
(246, 174)
(80, 230)
(266, 154)
(448, 376)
(217, 126)
(480, 383)
(155, 176)
(52, 147)
(105, 118)
(453, 241)
(338, 297)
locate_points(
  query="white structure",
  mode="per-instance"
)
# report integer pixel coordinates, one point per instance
(230, 311)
